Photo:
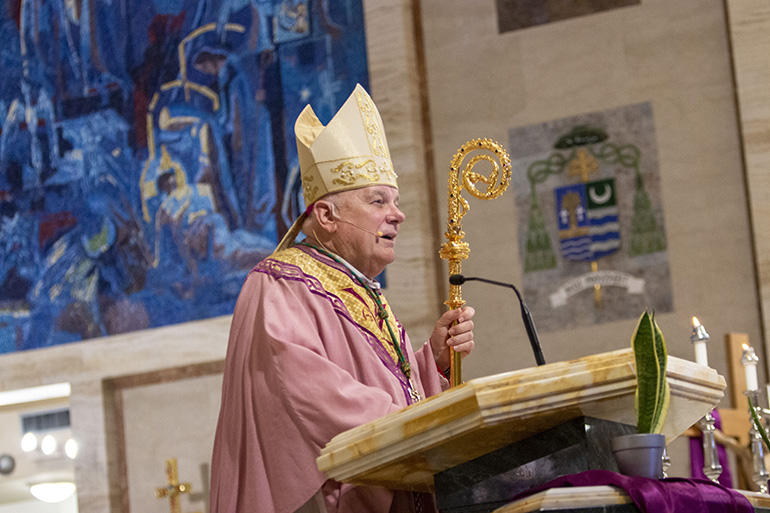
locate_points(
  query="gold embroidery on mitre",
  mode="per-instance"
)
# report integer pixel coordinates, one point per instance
(387, 169)
(371, 125)
(309, 190)
(347, 177)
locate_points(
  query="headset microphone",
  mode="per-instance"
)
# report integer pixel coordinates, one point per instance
(377, 234)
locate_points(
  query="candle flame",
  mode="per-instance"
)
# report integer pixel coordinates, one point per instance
(746, 347)
(695, 322)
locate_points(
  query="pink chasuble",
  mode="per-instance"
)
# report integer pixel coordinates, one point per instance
(305, 362)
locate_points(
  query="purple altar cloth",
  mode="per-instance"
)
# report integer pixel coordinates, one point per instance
(671, 495)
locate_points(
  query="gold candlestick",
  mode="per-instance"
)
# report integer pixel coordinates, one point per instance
(455, 250)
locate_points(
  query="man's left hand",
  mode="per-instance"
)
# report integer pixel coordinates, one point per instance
(459, 337)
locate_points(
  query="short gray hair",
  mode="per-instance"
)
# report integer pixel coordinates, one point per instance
(336, 199)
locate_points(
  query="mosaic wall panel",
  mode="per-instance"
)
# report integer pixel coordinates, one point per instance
(147, 156)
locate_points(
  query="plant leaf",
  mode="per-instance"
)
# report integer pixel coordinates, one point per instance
(652, 391)
(758, 424)
(663, 392)
(646, 379)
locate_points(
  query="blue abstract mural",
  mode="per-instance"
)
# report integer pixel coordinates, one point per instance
(147, 155)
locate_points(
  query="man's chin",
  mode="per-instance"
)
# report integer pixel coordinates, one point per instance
(384, 262)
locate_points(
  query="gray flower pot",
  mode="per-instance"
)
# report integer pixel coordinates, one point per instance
(639, 454)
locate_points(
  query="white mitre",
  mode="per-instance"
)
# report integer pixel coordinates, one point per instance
(349, 153)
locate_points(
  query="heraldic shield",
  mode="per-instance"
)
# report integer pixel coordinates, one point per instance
(587, 215)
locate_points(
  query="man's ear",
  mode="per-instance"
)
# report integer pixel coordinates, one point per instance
(324, 214)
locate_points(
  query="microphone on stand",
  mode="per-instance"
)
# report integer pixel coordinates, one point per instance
(526, 317)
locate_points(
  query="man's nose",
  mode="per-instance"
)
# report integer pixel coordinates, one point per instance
(396, 216)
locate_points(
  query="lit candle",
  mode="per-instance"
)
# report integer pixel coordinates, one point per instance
(699, 338)
(749, 360)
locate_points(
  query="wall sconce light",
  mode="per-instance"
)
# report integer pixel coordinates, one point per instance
(52, 492)
(48, 445)
(71, 448)
(28, 442)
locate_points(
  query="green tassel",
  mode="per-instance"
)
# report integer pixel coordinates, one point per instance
(406, 368)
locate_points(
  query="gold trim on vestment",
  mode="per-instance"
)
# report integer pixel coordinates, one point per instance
(336, 282)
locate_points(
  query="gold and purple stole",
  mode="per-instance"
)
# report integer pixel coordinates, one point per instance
(331, 280)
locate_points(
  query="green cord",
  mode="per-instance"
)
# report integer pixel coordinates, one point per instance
(406, 368)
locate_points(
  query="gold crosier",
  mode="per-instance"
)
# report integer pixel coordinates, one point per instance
(455, 250)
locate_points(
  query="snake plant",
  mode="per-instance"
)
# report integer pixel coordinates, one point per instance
(652, 390)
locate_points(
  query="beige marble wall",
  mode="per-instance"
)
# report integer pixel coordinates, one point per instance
(749, 25)
(192, 402)
(674, 55)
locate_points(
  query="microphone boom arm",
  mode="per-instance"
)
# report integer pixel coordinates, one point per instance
(526, 317)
